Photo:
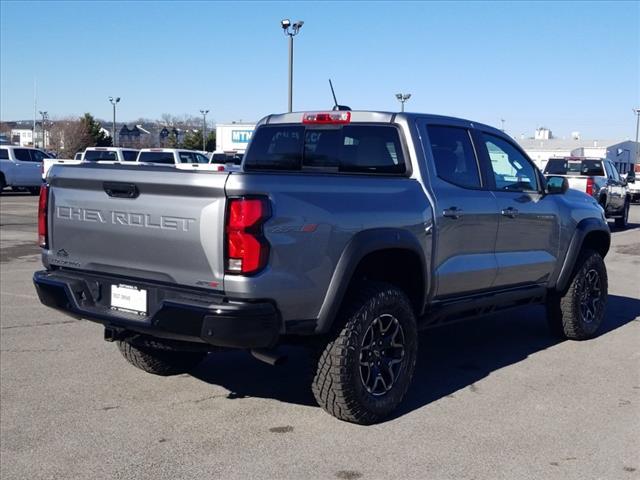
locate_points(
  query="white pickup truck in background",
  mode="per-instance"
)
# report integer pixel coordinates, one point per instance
(93, 154)
(171, 156)
(598, 178)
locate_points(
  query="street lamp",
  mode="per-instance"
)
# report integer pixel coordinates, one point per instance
(637, 112)
(114, 101)
(291, 31)
(402, 97)
(502, 122)
(204, 129)
(45, 116)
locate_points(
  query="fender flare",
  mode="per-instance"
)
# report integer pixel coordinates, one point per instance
(362, 244)
(584, 227)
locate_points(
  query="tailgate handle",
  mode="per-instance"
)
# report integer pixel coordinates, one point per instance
(121, 190)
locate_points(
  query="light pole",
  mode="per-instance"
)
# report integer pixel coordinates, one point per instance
(502, 122)
(291, 31)
(204, 129)
(402, 97)
(114, 101)
(45, 116)
(637, 112)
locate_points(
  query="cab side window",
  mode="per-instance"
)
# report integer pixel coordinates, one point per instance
(38, 156)
(4, 154)
(454, 157)
(512, 171)
(22, 154)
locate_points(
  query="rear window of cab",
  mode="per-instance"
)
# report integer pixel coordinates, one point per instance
(375, 149)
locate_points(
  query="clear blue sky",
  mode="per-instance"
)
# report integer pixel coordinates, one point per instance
(568, 66)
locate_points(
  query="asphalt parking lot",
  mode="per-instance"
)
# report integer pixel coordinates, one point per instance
(493, 399)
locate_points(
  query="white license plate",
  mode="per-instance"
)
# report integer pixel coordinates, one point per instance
(129, 299)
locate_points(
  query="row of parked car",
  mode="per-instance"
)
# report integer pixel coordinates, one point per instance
(24, 168)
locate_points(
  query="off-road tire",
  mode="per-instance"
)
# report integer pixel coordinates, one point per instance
(564, 311)
(159, 362)
(338, 385)
(623, 221)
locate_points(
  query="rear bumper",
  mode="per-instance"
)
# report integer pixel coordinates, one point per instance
(183, 314)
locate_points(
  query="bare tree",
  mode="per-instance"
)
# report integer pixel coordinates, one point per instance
(68, 136)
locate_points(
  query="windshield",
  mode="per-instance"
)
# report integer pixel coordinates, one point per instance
(224, 158)
(100, 155)
(165, 158)
(349, 148)
(130, 155)
(561, 166)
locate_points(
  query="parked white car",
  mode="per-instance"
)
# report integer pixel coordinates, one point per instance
(93, 154)
(20, 168)
(171, 156)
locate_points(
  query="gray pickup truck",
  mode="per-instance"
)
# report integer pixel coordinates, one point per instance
(346, 231)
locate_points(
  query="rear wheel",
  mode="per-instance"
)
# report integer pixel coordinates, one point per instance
(3, 183)
(366, 368)
(578, 314)
(158, 361)
(34, 190)
(624, 220)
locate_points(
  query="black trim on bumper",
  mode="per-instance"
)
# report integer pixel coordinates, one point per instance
(174, 313)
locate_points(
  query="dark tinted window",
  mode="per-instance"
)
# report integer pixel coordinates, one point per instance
(100, 155)
(4, 154)
(349, 148)
(39, 156)
(187, 157)
(156, 157)
(511, 169)
(564, 166)
(129, 155)
(22, 154)
(454, 157)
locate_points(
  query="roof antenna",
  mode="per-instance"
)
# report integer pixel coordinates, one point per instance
(336, 107)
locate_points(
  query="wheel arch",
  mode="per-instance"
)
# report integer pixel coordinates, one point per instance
(391, 255)
(590, 233)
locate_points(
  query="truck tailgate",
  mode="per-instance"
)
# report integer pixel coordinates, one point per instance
(147, 222)
(577, 182)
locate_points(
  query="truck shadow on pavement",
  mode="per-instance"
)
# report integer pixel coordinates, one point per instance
(451, 358)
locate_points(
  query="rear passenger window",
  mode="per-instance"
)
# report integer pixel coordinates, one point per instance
(187, 157)
(349, 149)
(453, 155)
(22, 154)
(4, 154)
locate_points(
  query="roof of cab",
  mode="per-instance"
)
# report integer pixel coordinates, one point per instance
(366, 116)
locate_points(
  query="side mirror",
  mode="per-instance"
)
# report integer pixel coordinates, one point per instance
(557, 185)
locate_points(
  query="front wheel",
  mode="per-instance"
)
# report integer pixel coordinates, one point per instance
(578, 314)
(366, 368)
(158, 361)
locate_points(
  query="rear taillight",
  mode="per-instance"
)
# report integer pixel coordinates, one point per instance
(43, 239)
(247, 250)
(590, 186)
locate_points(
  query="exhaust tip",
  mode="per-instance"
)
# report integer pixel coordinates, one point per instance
(270, 356)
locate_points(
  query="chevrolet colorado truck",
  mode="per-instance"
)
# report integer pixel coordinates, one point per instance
(600, 179)
(347, 231)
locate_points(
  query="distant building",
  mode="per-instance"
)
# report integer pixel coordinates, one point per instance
(624, 155)
(234, 136)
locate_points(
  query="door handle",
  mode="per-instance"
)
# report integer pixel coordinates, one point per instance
(510, 212)
(453, 212)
